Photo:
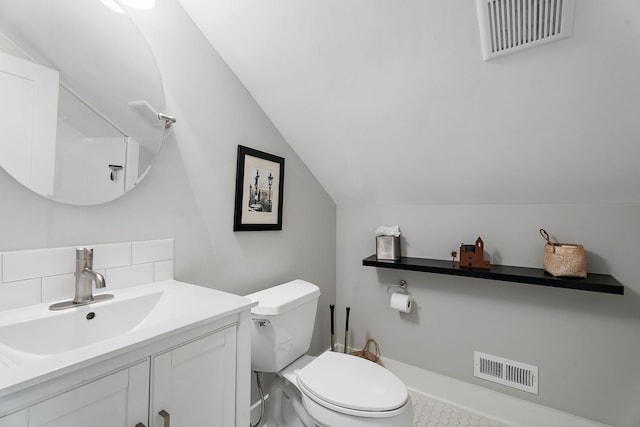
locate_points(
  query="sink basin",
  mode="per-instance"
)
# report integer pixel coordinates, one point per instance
(35, 341)
(78, 327)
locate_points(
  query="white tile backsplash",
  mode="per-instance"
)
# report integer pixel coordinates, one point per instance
(131, 275)
(38, 263)
(112, 255)
(45, 275)
(20, 293)
(162, 270)
(151, 251)
(60, 287)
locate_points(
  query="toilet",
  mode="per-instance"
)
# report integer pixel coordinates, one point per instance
(331, 390)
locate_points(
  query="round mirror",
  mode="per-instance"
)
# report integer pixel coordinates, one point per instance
(82, 99)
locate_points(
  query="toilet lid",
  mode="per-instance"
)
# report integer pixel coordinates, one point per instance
(351, 382)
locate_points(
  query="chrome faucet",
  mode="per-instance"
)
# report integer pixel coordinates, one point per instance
(85, 276)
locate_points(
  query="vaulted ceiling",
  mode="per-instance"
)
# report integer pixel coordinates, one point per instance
(391, 102)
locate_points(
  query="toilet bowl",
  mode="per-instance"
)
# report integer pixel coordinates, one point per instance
(284, 406)
(331, 390)
(342, 390)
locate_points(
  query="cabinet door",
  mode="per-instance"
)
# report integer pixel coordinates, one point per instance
(117, 400)
(195, 384)
(17, 419)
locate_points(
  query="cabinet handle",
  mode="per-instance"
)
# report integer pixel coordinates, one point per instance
(140, 425)
(167, 418)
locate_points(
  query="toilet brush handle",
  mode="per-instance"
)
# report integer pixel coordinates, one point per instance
(333, 338)
(346, 331)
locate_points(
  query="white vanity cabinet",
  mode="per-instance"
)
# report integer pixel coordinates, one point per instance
(194, 384)
(199, 376)
(117, 400)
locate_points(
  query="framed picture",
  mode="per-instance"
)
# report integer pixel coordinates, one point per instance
(259, 191)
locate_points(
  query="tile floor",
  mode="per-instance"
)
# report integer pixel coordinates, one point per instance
(430, 412)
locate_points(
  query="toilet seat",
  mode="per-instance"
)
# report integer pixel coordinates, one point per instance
(353, 386)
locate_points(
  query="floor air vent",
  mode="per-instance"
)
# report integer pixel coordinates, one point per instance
(506, 372)
(507, 26)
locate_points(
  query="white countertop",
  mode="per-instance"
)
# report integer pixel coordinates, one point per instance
(37, 344)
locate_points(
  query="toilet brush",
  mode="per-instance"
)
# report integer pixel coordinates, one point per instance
(333, 337)
(346, 331)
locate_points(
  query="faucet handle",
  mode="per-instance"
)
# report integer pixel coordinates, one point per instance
(85, 254)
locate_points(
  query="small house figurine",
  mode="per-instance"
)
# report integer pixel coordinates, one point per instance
(473, 256)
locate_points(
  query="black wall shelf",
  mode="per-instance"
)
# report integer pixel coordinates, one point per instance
(532, 276)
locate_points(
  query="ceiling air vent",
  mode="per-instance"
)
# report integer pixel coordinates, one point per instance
(506, 372)
(507, 26)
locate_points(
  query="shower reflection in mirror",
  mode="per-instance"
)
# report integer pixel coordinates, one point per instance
(82, 122)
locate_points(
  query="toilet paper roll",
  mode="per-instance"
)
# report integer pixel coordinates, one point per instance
(401, 302)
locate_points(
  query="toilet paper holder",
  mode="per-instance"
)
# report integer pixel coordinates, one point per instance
(400, 300)
(402, 284)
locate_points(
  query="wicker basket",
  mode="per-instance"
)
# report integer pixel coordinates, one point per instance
(564, 259)
(365, 353)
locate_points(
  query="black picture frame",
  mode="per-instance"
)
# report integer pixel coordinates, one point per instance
(259, 191)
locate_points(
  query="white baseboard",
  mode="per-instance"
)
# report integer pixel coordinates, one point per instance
(501, 407)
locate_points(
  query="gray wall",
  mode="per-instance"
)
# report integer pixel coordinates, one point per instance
(587, 345)
(380, 81)
(188, 194)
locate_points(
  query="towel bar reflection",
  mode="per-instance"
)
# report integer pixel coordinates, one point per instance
(168, 120)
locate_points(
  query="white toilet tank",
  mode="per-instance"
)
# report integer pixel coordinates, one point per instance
(282, 324)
